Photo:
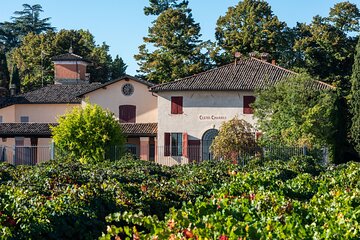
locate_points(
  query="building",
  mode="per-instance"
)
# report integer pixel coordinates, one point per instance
(25, 118)
(191, 110)
(171, 123)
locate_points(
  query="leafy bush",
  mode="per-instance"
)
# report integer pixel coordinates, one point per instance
(88, 133)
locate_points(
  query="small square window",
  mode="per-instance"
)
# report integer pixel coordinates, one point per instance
(24, 119)
(1, 119)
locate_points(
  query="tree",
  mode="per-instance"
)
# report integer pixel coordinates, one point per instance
(248, 27)
(294, 112)
(15, 78)
(235, 135)
(26, 21)
(118, 67)
(4, 73)
(345, 16)
(88, 134)
(355, 100)
(158, 6)
(33, 56)
(178, 48)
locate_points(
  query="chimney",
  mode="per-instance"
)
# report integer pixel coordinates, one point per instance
(252, 54)
(264, 57)
(237, 55)
(12, 90)
(273, 62)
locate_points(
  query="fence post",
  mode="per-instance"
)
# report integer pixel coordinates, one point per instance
(52, 150)
(14, 155)
(304, 150)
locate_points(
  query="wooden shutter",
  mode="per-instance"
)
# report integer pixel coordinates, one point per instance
(176, 105)
(194, 150)
(248, 100)
(167, 144)
(185, 145)
(127, 113)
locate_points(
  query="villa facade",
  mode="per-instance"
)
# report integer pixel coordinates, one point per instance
(171, 123)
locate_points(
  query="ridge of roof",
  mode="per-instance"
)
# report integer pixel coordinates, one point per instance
(69, 57)
(142, 81)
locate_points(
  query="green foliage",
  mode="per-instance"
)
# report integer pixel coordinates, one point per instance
(249, 27)
(118, 68)
(33, 56)
(26, 21)
(345, 16)
(177, 47)
(294, 112)
(158, 6)
(4, 73)
(272, 200)
(70, 200)
(355, 99)
(88, 133)
(235, 136)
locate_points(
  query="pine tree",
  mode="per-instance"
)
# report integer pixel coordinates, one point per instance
(118, 68)
(178, 48)
(4, 73)
(15, 78)
(355, 99)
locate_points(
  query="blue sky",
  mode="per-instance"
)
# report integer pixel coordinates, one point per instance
(122, 23)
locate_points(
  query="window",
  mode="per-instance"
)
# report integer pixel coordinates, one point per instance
(24, 119)
(248, 100)
(127, 113)
(173, 144)
(176, 105)
(127, 89)
(1, 119)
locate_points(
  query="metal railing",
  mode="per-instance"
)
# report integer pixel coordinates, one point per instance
(25, 155)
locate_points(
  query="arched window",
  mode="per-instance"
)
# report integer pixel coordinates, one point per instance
(207, 140)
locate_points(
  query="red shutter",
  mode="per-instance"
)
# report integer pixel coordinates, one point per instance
(248, 100)
(176, 105)
(185, 145)
(180, 105)
(167, 144)
(127, 113)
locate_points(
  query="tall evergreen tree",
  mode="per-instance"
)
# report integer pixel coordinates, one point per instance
(250, 26)
(15, 78)
(178, 48)
(118, 67)
(355, 99)
(26, 21)
(4, 73)
(158, 6)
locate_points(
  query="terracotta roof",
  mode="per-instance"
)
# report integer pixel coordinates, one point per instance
(246, 74)
(125, 77)
(43, 130)
(69, 57)
(139, 129)
(51, 94)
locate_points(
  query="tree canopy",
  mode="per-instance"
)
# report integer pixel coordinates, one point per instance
(294, 112)
(24, 22)
(355, 99)
(250, 26)
(33, 56)
(177, 52)
(88, 134)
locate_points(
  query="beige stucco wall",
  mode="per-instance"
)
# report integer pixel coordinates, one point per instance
(42, 113)
(111, 97)
(201, 111)
(8, 114)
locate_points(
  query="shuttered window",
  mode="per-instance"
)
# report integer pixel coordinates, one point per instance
(248, 100)
(176, 105)
(167, 144)
(127, 113)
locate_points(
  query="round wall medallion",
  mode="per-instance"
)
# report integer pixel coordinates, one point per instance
(127, 89)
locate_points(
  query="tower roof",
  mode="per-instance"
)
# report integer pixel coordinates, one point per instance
(69, 57)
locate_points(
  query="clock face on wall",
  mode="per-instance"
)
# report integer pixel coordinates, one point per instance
(128, 89)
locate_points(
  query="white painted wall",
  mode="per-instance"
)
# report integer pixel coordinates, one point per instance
(111, 97)
(201, 112)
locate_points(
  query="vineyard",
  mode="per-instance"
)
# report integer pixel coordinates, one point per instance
(132, 199)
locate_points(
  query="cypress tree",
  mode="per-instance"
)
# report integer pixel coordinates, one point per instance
(355, 99)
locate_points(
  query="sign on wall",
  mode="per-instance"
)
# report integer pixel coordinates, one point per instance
(212, 117)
